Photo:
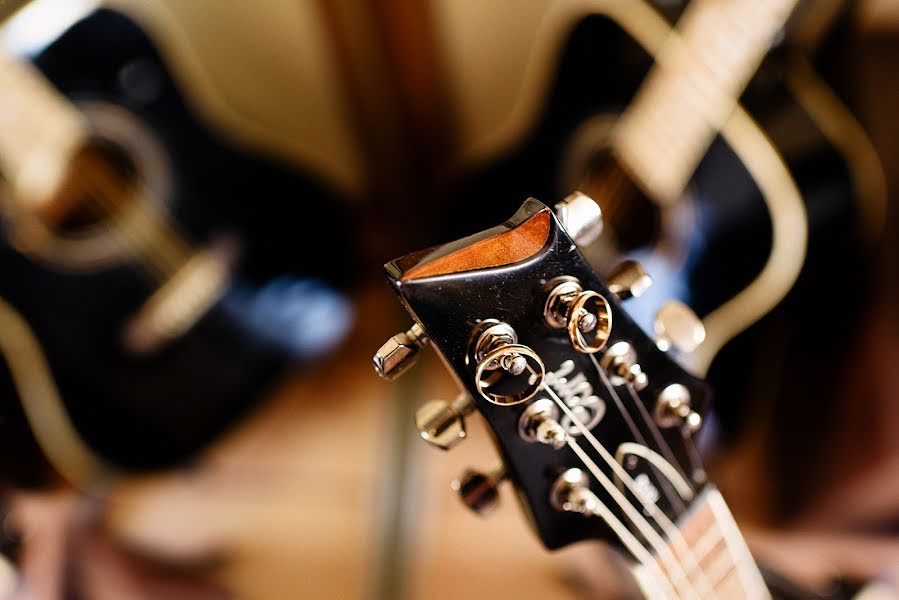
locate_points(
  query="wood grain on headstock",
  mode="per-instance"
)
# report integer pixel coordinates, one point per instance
(507, 247)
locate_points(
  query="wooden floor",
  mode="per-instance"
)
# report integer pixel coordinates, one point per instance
(327, 492)
(305, 498)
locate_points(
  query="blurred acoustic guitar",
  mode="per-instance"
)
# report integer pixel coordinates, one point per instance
(155, 280)
(718, 147)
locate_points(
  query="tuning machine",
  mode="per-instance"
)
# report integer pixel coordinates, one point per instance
(478, 490)
(581, 217)
(540, 423)
(580, 312)
(628, 280)
(441, 423)
(677, 326)
(673, 409)
(620, 362)
(495, 350)
(399, 353)
(571, 493)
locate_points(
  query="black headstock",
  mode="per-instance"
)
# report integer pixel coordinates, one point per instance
(520, 308)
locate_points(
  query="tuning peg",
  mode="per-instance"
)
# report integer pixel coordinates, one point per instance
(399, 353)
(620, 362)
(479, 491)
(581, 217)
(673, 409)
(571, 493)
(677, 326)
(441, 423)
(494, 347)
(629, 280)
(580, 311)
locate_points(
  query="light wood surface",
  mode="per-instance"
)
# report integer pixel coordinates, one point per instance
(294, 497)
(294, 500)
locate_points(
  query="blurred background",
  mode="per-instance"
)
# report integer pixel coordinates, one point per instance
(197, 201)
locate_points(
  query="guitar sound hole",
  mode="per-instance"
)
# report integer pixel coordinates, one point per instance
(98, 186)
(588, 165)
(632, 217)
(111, 200)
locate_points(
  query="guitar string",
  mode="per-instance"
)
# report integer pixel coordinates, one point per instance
(165, 255)
(727, 550)
(710, 541)
(630, 541)
(699, 557)
(698, 471)
(696, 559)
(673, 498)
(652, 426)
(613, 183)
(661, 518)
(641, 554)
(135, 239)
(97, 196)
(131, 234)
(168, 254)
(672, 564)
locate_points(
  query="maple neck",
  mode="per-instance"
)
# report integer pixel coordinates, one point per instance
(699, 74)
(39, 132)
(713, 553)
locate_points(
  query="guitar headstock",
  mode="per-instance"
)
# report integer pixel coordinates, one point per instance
(591, 415)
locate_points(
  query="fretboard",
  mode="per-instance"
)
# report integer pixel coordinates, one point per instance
(713, 554)
(39, 132)
(698, 77)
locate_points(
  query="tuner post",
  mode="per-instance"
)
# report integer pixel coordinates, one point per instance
(620, 362)
(399, 353)
(580, 312)
(571, 493)
(494, 347)
(540, 423)
(673, 409)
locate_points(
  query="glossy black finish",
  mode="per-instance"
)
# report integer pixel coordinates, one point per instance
(450, 306)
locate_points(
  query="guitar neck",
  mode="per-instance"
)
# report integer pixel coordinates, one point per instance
(699, 75)
(713, 553)
(39, 132)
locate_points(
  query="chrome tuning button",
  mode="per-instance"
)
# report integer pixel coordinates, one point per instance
(628, 280)
(441, 423)
(479, 491)
(581, 217)
(495, 349)
(399, 353)
(678, 327)
(673, 409)
(571, 493)
(620, 362)
(582, 313)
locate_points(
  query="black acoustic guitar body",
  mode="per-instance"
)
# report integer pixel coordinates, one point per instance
(281, 309)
